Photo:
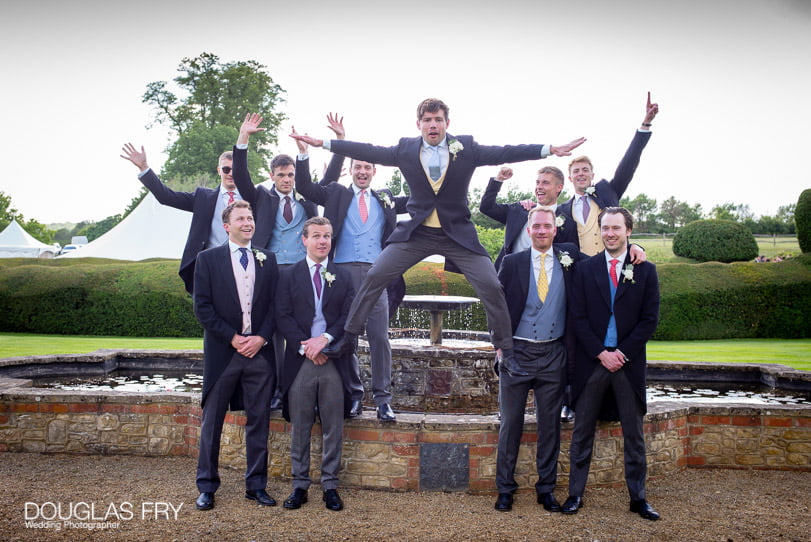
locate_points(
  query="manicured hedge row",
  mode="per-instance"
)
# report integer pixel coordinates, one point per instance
(95, 297)
(103, 297)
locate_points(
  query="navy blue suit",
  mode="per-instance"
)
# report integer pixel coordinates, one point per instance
(201, 203)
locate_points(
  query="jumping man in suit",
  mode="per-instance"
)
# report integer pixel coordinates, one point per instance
(438, 168)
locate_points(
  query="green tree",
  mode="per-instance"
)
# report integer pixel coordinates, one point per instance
(674, 214)
(397, 185)
(215, 97)
(643, 208)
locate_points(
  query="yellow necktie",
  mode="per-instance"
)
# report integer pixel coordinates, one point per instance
(543, 286)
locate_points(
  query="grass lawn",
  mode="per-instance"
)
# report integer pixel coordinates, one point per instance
(660, 249)
(792, 352)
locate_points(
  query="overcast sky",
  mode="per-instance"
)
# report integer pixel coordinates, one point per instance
(731, 76)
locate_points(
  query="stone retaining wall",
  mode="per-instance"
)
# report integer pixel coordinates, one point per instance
(419, 451)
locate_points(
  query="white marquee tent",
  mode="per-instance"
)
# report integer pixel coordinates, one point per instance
(151, 230)
(15, 242)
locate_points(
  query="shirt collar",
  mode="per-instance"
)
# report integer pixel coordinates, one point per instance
(357, 190)
(443, 143)
(235, 247)
(537, 253)
(311, 262)
(224, 192)
(621, 258)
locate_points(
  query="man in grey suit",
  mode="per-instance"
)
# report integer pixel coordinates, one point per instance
(537, 282)
(234, 289)
(312, 302)
(438, 168)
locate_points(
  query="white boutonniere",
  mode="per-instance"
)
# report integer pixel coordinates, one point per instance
(564, 259)
(455, 146)
(591, 190)
(560, 220)
(327, 276)
(298, 196)
(260, 257)
(385, 199)
(628, 273)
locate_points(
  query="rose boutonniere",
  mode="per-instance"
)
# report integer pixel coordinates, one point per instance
(628, 273)
(327, 276)
(385, 199)
(455, 146)
(591, 190)
(298, 196)
(260, 257)
(560, 220)
(564, 259)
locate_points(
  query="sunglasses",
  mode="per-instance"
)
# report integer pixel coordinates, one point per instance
(226, 169)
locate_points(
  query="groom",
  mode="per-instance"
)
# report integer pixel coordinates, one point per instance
(438, 168)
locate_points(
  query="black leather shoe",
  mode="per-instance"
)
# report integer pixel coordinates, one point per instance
(385, 413)
(572, 505)
(566, 414)
(355, 409)
(509, 365)
(276, 402)
(644, 509)
(504, 503)
(333, 500)
(205, 501)
(261, 496)
(549, 502)
(296, 499)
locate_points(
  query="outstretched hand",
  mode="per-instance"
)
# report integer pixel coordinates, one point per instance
(251, 124)
(651, 109)
(336, 125)
(566, 150)
(302, 145)
(307, 139)
(137, 158)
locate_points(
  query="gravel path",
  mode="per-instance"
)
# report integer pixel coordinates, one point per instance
(695, 505)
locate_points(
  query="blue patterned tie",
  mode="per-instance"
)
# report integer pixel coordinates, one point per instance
(244, 258)
(434, 166)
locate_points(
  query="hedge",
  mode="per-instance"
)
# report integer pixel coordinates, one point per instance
(802, 220)
(715, 241)
(104, 297)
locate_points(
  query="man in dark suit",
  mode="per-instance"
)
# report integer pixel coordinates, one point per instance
(280, 214)
(615, 310)
(234, 287)
(536, 282)
(205, 204)
(582, 209)
(313, 300)
(363, 219)
(438, 168)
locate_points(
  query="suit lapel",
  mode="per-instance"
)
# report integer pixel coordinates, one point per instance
(622, 284)
(228, 273)
(524, 273)
(600, 276)
(304, 284)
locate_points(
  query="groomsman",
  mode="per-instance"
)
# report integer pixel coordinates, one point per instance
(205, 204)
(363, 219)
(438, 168)
(615, 309)
(313, 300)
(234, 287)
(280, 214)
(582, 209)
(537, 283)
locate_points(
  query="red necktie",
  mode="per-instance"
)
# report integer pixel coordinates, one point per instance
(230, 197)
(317, 279)
(287, 213)
(613, 271)
(364, 211)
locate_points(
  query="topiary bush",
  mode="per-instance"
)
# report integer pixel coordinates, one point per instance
(802, 220)
(715, 241)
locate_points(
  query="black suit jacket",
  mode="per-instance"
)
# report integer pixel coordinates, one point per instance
(608, 193)
(201, 203)
(336, 198)
(451, 200)
(265, 202)
(636, 309)
(216, 305)
(295, 311)
(514, 217)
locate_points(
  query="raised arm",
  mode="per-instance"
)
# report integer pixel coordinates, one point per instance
(242, 177)
(334, 171)
(165, 195)
(627, 166)
(488, 205)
